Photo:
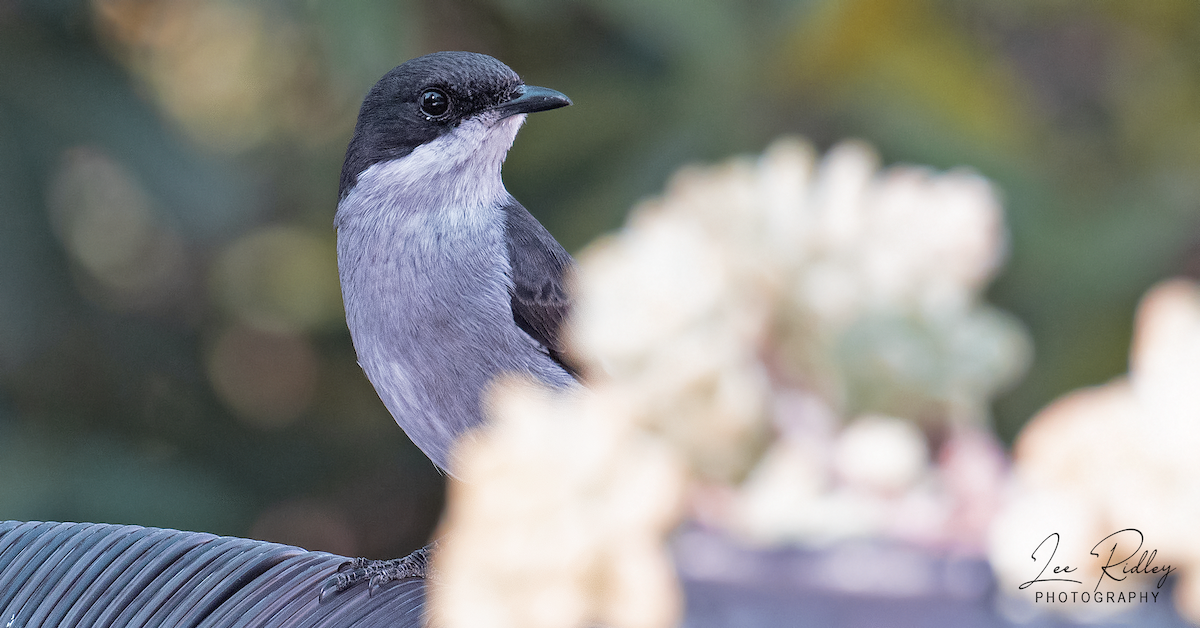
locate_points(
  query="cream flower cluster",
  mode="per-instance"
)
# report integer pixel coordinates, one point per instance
(559, 519)
(1118, 456)
(727, 332)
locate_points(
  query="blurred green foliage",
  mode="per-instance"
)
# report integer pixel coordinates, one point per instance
(156, 367)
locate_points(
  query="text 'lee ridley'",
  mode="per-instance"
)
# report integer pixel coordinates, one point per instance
(1122, 560)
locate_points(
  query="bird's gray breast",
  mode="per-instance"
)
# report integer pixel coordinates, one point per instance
(426, 291)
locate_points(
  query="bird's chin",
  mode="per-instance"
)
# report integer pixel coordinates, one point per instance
(515, 120)
(500, 135)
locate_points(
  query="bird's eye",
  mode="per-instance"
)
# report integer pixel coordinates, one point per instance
(434, 103)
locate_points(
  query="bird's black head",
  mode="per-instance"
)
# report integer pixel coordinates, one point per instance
(429, 96)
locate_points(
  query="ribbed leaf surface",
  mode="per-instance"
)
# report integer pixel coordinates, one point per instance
(90, 575)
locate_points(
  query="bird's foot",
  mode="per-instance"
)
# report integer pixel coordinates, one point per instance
(378, 572)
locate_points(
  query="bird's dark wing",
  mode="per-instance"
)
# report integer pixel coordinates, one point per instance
(539, 298)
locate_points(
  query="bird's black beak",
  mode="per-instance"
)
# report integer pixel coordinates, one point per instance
(529, 99)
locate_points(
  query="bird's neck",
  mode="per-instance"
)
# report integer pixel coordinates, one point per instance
(455, 175)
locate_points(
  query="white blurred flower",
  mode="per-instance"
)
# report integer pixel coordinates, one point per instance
(559, 518)
(882, 454)
(1120, 455)
(862, 286)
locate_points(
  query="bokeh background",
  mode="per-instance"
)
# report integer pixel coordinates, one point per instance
(172, 349)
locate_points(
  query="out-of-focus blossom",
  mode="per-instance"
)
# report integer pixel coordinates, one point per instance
(862, 286)
(884, 454)
(726, 335)
(874, 479)
(129, 259)
(1117, 456)
(559, 518)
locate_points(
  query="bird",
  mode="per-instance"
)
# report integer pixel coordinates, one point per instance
(448, 281)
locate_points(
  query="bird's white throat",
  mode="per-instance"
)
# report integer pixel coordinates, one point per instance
(456, 175)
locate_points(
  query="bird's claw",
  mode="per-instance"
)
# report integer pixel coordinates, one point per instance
(335, 585)
(377, 572)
